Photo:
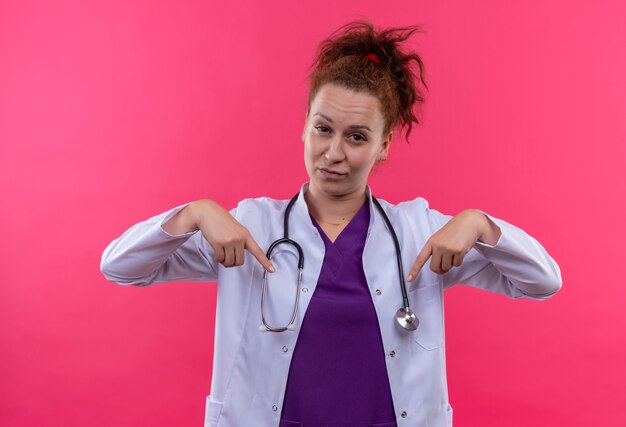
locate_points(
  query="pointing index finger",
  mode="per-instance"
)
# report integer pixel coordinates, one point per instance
(422, 257)
(259, 254)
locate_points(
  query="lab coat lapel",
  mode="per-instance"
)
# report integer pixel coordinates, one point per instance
(381, 272)
(278, 347)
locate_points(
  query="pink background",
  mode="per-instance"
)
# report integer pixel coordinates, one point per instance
(112, 112)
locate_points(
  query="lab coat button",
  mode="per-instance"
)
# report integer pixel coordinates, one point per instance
(285, 349)
(392, 353)
(403, 414)
(378, 292)
(274, 408)
(305, 290)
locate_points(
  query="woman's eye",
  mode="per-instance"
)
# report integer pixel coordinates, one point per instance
(324, 129)
(320, 128)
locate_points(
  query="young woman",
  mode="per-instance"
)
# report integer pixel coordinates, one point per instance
(349, 339)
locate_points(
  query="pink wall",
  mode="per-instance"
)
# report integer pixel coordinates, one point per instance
(111, 112)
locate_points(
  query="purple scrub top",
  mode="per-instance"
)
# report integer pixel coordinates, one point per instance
(338, 376)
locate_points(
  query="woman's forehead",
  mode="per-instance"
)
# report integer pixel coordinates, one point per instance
(338, 104)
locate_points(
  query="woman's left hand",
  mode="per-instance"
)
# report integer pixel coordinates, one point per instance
(448, 245)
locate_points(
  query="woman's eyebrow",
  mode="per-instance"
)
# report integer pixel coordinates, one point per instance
(349, 127)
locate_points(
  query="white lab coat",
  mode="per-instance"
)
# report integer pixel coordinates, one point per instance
(250, 367)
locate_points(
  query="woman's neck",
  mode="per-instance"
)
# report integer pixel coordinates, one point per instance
(333, 210)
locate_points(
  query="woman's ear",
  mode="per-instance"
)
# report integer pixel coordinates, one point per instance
(384, 150)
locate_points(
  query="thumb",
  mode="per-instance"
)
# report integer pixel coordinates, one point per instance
(422, 257)
(259, 254)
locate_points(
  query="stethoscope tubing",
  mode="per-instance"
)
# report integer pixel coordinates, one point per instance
(405, 297)
(402, 313)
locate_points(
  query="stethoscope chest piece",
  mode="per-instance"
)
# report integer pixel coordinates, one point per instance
(407, 318)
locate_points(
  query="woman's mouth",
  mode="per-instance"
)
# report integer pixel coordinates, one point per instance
(331, 174)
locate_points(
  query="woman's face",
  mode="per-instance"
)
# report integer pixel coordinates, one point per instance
(342, 134)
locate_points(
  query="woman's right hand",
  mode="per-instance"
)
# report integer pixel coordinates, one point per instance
(226, 235)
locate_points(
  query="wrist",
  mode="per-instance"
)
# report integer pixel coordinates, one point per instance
(489, 232)
(193, 216)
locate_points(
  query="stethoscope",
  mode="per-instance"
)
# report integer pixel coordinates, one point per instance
(405, 316)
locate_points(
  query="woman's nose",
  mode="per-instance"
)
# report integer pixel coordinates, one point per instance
(334, 152)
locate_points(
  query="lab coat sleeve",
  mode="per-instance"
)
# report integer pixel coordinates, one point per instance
(146, 254)
(517, 265)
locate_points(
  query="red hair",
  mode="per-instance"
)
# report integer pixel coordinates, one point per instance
(346, 58)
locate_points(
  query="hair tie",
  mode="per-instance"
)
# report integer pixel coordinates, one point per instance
(373, 57)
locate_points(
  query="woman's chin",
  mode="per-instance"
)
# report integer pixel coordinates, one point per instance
(332, 188)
